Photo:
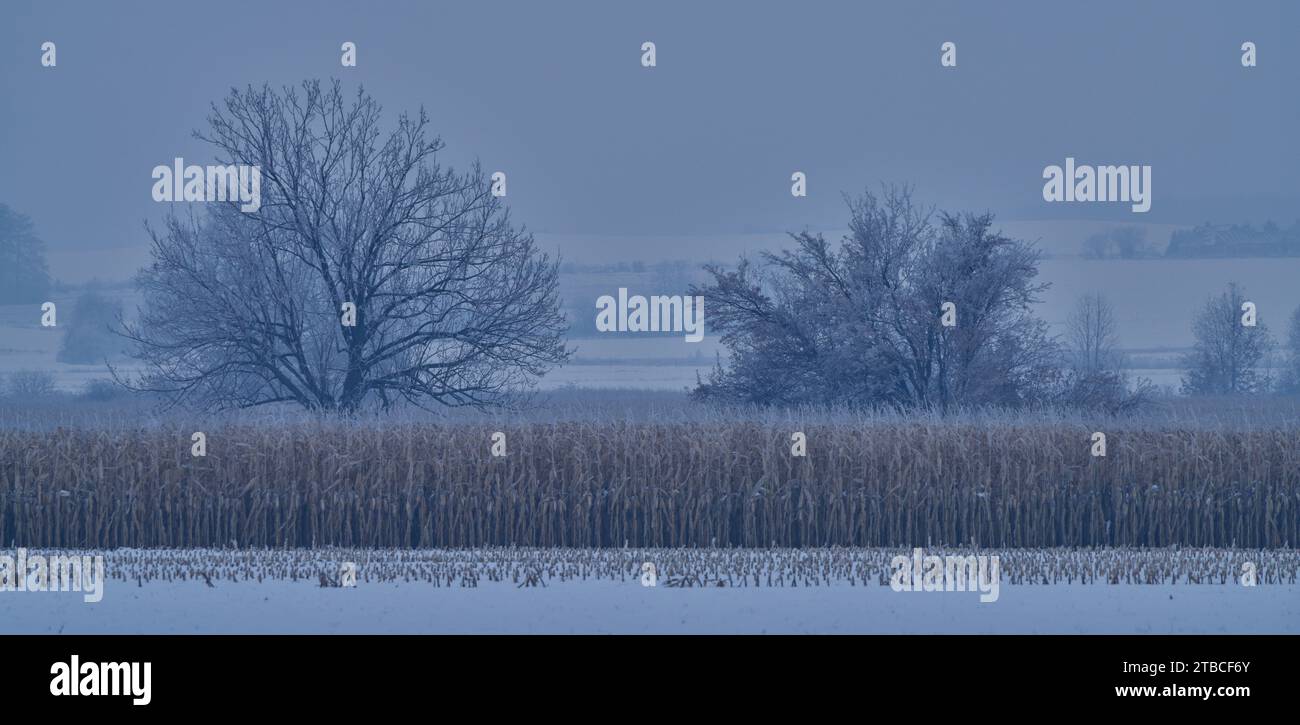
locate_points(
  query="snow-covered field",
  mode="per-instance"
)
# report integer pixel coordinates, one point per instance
(612, 607)
(697, 591)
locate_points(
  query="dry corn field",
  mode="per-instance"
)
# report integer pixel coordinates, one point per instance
(649, 485)
(744, 568)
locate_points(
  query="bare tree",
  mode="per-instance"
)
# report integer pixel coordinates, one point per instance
(862, 324)
(1290, 380)
(23, 274)
(1227, 356)
(1092, 335)
(453, 304)
(1095, 378)
(1127, 242)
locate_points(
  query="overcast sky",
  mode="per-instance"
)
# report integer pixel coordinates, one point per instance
(553, 93)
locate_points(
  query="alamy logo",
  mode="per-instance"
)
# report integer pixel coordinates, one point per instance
(675, 313)
(102, 678)
(59, 573)
(232, 182)
(950, 573)
(1101, 183)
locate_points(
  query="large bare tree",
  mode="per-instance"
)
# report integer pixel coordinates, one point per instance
(453, 304)
(861, 323)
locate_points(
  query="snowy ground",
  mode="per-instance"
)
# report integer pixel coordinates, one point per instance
(599, 591)
(613, 607)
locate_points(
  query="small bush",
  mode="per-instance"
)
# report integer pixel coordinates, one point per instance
(31, 384)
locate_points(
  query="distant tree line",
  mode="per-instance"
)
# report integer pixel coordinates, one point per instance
(1200, 242)
(863, 323)
(633, 267)
(1127, 242)
(1235, 240)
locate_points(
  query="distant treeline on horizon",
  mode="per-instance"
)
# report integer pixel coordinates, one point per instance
(1204, 241)
(1236, 240)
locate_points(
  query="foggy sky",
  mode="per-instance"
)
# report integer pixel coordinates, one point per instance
(744, 94)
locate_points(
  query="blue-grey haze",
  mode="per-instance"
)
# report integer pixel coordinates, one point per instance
(600, 150)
